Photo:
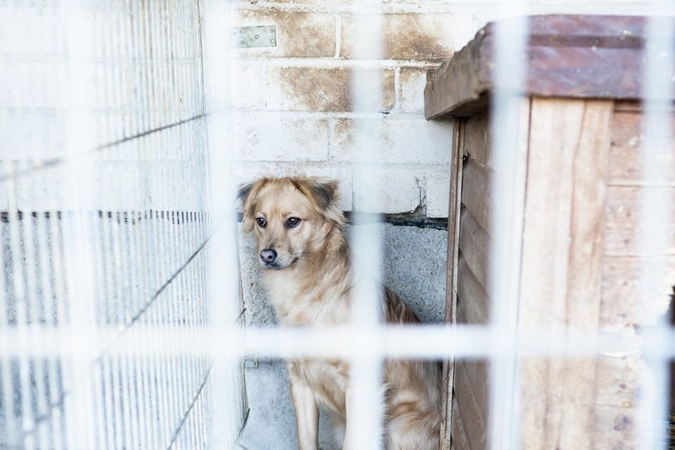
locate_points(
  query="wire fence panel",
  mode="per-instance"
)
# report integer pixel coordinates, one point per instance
(120, 319)
(108, 226)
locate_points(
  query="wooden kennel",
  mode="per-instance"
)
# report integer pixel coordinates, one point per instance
(579, 127)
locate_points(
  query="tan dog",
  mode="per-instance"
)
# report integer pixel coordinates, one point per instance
(298, 228)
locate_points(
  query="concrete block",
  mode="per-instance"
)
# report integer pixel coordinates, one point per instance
(272, 137)
(247, 171)
(327, 89)
(389, 191)
(299, 34)
(411, 89)
(392, 140)
(409, 36)
(438, 194)
(246, 85)
(414, 263)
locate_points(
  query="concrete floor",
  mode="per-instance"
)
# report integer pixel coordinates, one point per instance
(414, 265)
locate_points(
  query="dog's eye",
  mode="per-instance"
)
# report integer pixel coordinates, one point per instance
(292, 222)
(262, 223)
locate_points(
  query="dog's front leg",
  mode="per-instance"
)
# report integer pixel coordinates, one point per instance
(349, 426)
(306, 412)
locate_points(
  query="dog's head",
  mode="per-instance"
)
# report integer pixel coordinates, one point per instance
(290, 217)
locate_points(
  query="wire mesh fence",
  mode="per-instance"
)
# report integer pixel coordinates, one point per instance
(108, 226)
(120, 320)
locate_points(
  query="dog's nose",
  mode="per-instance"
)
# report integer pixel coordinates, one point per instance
(268, 255)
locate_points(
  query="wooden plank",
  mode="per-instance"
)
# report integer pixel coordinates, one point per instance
(621, 291)
(477, 374)
(459, 439)
(623, 226)
(625, 154)
(451, 280)
(473, 297)
(593, 57)
(460, 82)
(476, 142)
(474, 244)
(469, 411)
(462, 316)
(476, 192)
(619, 379)
(627, 105)
(562, 262)
(615, 428)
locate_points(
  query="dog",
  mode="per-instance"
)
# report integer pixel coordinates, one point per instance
(298, 229)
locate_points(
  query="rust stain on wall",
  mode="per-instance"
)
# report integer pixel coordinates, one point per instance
(299, 34)
(404, 37)
(329, 90)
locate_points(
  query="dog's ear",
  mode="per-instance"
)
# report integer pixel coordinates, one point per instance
(246, 195)
(324, 192)
(244, 191)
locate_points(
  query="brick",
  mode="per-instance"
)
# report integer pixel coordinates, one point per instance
(326, 89)
(438, 194)
(392, 140)
(411, 94)
(410, 36)
(247, 171)
(387, 191)
(299, 34)
(265, 137)
(246, 86)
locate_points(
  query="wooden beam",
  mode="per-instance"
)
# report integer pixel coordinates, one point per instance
(451, 281)
(591, 57)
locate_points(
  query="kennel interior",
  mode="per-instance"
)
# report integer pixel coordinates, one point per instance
(588, 155)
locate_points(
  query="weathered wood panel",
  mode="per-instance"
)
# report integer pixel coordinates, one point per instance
(474, 243)
(459, 439)
(625, 165)
(451, 281)
(621, 292)
(623, 226)
(560, 284)
(477, 372)
(566, 56)
(615, 428)
(473, 298)
(472, 417)
(476, 141)
(618, 381)
(476, 192)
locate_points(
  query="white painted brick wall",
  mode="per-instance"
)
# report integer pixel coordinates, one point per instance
(296, 112)
(399, 193)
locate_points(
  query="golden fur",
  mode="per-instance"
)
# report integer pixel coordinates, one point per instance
(298, 229)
